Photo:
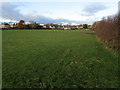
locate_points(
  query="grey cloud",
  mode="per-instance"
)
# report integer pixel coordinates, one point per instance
(10, 11)
(44, 20)
(92, 9)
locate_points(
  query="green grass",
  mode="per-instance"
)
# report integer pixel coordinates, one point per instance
(57, 59)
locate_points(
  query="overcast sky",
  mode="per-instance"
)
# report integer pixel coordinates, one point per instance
(74, 11)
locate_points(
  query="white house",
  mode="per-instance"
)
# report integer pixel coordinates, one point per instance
(2, 26)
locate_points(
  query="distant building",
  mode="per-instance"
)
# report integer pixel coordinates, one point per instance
(90, 27)
(50, 26)
(80, 27)
(4, 26)
(11, 25)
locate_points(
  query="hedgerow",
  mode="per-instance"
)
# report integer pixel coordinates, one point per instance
(108, 31)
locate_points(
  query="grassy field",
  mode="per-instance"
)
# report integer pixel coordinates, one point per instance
(57, 59)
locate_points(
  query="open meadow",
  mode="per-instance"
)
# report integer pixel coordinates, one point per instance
(57, 59)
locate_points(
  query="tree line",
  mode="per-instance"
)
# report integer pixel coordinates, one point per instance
(22, 25)
(34, 25)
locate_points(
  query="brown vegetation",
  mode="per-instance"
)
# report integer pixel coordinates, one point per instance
(108, 31)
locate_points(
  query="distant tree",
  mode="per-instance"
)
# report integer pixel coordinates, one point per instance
(34, 25)
(21, 24)
(5, 23)
(85, 25)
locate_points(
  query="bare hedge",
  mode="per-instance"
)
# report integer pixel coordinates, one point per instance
(108, 31)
